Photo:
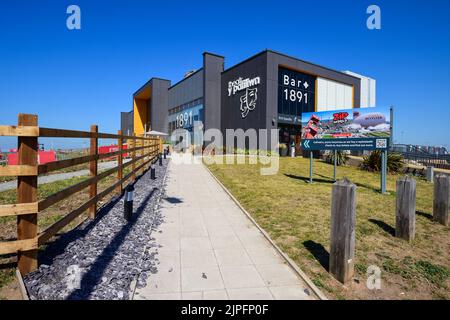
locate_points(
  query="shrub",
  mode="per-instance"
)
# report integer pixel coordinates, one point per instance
(372, 162)
(341, 157)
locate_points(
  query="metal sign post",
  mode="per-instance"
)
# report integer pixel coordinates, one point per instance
(310, 167)
(335, 165)
(349, 129)
(383, 171)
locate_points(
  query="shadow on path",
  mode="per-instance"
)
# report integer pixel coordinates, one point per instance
(59, 244)
(319, 252)
(173, 200)
(93, 276)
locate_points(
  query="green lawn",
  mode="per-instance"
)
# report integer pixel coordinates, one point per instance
(297, 217)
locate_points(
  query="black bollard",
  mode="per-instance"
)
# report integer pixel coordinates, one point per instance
(152, 173)
(160, 159)
(128, 202)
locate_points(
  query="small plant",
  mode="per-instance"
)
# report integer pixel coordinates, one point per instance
(433, 273)
(372, 162)
(341, 157)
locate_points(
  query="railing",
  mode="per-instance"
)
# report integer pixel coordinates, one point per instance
(143, 151)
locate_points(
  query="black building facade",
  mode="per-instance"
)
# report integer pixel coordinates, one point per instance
(269, 90)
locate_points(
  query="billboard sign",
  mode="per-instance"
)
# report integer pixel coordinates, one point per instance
(350, 129)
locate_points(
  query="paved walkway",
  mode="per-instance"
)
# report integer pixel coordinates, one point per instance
(209, 249)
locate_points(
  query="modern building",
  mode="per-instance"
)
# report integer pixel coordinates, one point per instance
(269, 90)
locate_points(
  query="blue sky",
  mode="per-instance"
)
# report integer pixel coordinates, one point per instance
(72, 79)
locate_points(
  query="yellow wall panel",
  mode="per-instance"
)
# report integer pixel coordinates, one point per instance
(140, 115)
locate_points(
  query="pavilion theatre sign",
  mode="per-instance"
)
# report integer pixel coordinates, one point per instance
(249, 97)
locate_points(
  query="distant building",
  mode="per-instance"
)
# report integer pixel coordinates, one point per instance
(269, 90)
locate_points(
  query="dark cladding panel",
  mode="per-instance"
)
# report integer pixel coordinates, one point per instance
(212, 68)
(244, 95)
(159, 105)
(187, 90)
(126, 122)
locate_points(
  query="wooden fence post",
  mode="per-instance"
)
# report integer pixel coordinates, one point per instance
(93, 170)
(342, 246)
(441, 202)
(27, 227)
(120, 162)
(147, 151)
(133, 158)
(405, 216)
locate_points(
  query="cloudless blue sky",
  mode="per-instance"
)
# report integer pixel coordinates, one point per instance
(72, 79)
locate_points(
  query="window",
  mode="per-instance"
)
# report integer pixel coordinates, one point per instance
(296, 92)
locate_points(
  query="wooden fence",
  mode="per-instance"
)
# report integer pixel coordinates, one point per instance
(143, 151)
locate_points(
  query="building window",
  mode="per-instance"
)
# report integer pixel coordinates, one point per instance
(296, 92)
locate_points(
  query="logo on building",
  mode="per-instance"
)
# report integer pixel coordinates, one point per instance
(242, 84)
(248, 101)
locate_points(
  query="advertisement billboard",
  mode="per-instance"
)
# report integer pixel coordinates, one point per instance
(349, 129)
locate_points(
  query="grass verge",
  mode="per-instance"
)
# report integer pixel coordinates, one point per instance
(296, 215)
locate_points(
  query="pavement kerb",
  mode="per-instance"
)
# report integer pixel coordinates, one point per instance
(289, 261)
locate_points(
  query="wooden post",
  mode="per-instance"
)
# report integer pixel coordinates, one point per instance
(342, 246)
(138, 154)
(27, 227)
(441, 202)
(133, 157)
(120, 162)
(93, 171)
(430, 174)
(405, 216)
(147, 152)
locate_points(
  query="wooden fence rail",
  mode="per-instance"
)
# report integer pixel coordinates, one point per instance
(142, 150)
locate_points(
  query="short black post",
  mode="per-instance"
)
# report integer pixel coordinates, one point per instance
(160, 159)
(405, 216)
(128, 202)
(152, 173)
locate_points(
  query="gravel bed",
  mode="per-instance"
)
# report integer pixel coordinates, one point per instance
(100, 259)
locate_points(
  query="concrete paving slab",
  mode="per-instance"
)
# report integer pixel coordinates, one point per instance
(201, 278)
(289, 293)
(261, 293)
(232, 257)
(198, 258)
(241, 277)
(212, 249)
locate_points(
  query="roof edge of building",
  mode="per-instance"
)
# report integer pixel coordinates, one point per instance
(246, 60)
(213, 54)
(145, 85)
(178, 82)
(311, 63)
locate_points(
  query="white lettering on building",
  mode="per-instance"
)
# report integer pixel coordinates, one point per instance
(242, 84)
